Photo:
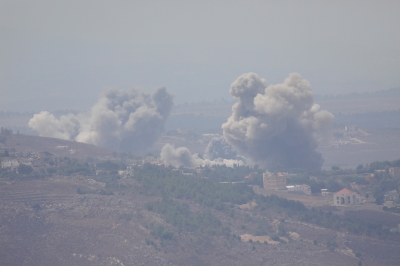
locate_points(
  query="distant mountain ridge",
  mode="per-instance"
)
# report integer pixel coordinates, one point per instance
(388, 93)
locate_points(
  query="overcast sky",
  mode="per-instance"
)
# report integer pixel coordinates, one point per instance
(62, 54)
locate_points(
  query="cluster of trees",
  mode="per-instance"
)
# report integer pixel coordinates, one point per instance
(5, 132)
(180, 216)
(164, 181)
(298, 211)
(386, 182)
(222, 173)
(169, 184)
(378, 165)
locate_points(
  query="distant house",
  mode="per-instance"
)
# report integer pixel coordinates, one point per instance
(304, 188)
(274, 181)
(123, 173)
(325, 192)
(379, 172)
(250, 176)
(350, 128)
(61, 147)
(199, 170)
(392, 196)
(186, 174)
(10, 163)
(346, 197)
(394, 171)
(356, 186)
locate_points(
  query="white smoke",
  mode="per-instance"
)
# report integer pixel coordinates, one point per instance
(126, 120)
(182, 156)
(275, 125)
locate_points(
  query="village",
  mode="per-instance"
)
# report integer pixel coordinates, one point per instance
(63, 178)
(282, 183)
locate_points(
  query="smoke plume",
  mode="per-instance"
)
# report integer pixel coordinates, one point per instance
(125, 120)
(182, 156)
(218, 147)
(275, 125)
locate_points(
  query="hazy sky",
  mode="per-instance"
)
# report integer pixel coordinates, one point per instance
(62, 54)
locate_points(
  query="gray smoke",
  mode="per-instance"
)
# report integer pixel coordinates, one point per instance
(182, 156)
(275, 125)
(218, 147)
(126, 120)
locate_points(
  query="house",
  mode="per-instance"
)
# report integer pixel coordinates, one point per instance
(325, 192)
(274, 181)
(10, 163)
(394, 171)
(304, 188)
(392, 196)
(250, 176)
(346, 197)
(61, 147)
(356, 186)
(350, 128)
(380, 172)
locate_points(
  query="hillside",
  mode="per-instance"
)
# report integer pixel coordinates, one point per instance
(162, 217)
(27, 143)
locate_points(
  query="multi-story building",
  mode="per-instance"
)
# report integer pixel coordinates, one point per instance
(274, 181)
(394, 171)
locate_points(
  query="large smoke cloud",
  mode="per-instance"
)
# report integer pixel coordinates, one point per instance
(275, 125)
(126, 120)
(182, 156)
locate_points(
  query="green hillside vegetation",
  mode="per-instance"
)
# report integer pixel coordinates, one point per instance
(174, 192)
(172, 185)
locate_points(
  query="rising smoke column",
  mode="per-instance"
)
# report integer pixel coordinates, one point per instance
(218, 147)
(126, 120)
(275, 125)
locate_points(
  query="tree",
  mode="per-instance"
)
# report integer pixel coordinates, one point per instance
(379, 195)
(335, 168)
(25, 169)
(333, 185)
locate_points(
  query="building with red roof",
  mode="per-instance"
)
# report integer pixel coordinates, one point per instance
(346, 197)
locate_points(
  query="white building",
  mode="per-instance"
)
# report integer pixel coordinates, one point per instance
(306, 189)
(325, 192)
(350, 128)
(61, 147)
(10, 163)
(346, 197)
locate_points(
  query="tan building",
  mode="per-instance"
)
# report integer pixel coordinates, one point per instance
(274, 181)
(346, 197)
(394, 171)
